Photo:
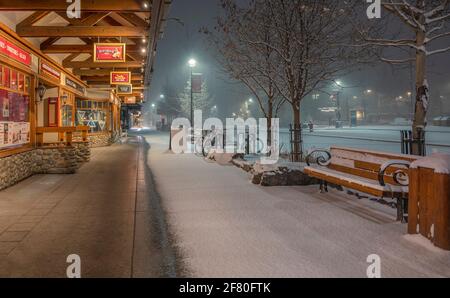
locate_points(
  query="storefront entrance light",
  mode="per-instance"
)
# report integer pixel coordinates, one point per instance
(41, 91)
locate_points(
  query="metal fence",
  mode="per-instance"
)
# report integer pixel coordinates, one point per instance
(407, 142)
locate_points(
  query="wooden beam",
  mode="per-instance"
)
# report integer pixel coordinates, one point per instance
(70, 57)
(101, 72)
(86, 5)
(91, 64)
(134, 19)
(90, 20)
(107, 78)
(81, 31)
(68, 49)
(33, 18)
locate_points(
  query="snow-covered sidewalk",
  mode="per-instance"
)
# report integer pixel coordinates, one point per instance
(227, 227)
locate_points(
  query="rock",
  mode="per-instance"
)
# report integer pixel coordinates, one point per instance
(282, 174)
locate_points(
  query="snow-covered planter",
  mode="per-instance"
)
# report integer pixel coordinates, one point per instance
(243, 164)
(223, 158)
(281, 174)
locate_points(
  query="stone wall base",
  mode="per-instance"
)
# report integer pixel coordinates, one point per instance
(46, 160)
(99, 139)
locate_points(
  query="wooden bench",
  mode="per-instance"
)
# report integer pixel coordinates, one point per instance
(379, 174)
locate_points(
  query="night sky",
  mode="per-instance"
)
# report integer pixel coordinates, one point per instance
(180, 43)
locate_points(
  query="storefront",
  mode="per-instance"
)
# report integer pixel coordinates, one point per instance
(16, 98)
(100, 112)
(37, 113)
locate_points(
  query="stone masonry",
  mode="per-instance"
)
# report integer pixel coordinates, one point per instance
(46, 160)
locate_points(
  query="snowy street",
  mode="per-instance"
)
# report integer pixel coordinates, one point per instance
(225, 226)
(383, 138)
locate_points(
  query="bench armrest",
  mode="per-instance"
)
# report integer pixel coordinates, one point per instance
(400, 176)
(322, 160)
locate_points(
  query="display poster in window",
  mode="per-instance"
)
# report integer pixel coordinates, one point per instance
(14, 134)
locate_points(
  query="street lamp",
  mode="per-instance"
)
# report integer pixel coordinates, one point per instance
(162, 96)
(192, 63)
(338, 102)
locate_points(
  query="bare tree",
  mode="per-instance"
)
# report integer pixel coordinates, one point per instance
(252, 64)
(311, 40)
(288, 48)
(428, 33)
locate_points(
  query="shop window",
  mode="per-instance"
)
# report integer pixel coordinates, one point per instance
(13, 80)
(21, 82)
(14, 119)
(27, 85)
(6, 75)
(67, 109)
(91, 114)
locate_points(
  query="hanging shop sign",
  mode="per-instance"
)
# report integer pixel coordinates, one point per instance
(14, 52)
(75, 86)
(50, 71)
(130, 100)
(109, 52)
(124, 89)
(120, 78)
(197, 81)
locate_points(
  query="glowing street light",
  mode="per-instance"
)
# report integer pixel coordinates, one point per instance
(162, 96)
(192, 63)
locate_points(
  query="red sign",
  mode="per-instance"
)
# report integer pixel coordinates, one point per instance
(197, 81)
(120, 78)
(109, 52)
(130, 100)
(14, 52)
(50, 70)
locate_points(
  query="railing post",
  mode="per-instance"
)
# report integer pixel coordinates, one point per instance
(69, 138)
(39, 139)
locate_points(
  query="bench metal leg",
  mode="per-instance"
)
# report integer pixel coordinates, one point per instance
(323, 186)
(402, 210)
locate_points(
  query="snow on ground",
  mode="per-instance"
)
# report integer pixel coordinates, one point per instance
(227, 227)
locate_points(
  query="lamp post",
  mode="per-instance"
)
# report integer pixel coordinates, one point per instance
(192, 63)
(338, 102)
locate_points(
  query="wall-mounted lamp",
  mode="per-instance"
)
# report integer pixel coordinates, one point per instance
(41, 91)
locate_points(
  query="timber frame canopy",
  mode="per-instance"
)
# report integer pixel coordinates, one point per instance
(70, 41)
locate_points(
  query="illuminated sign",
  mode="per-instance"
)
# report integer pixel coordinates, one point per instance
(120, 78)
(12, 51)
(109, 52)
(124, 89)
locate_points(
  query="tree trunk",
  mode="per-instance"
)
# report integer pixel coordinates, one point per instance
(269, 124)
(297, 148)
(420, 113)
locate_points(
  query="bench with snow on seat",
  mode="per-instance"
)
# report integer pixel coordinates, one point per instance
(379, 174)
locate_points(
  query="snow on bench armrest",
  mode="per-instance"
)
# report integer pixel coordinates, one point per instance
(439, 162)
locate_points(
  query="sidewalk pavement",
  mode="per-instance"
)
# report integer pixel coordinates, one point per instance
(101, 214)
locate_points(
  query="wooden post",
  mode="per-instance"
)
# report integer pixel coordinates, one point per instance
(429, 206)
(442, 211)
(39, 139)
(69, 138)
(413, 202)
